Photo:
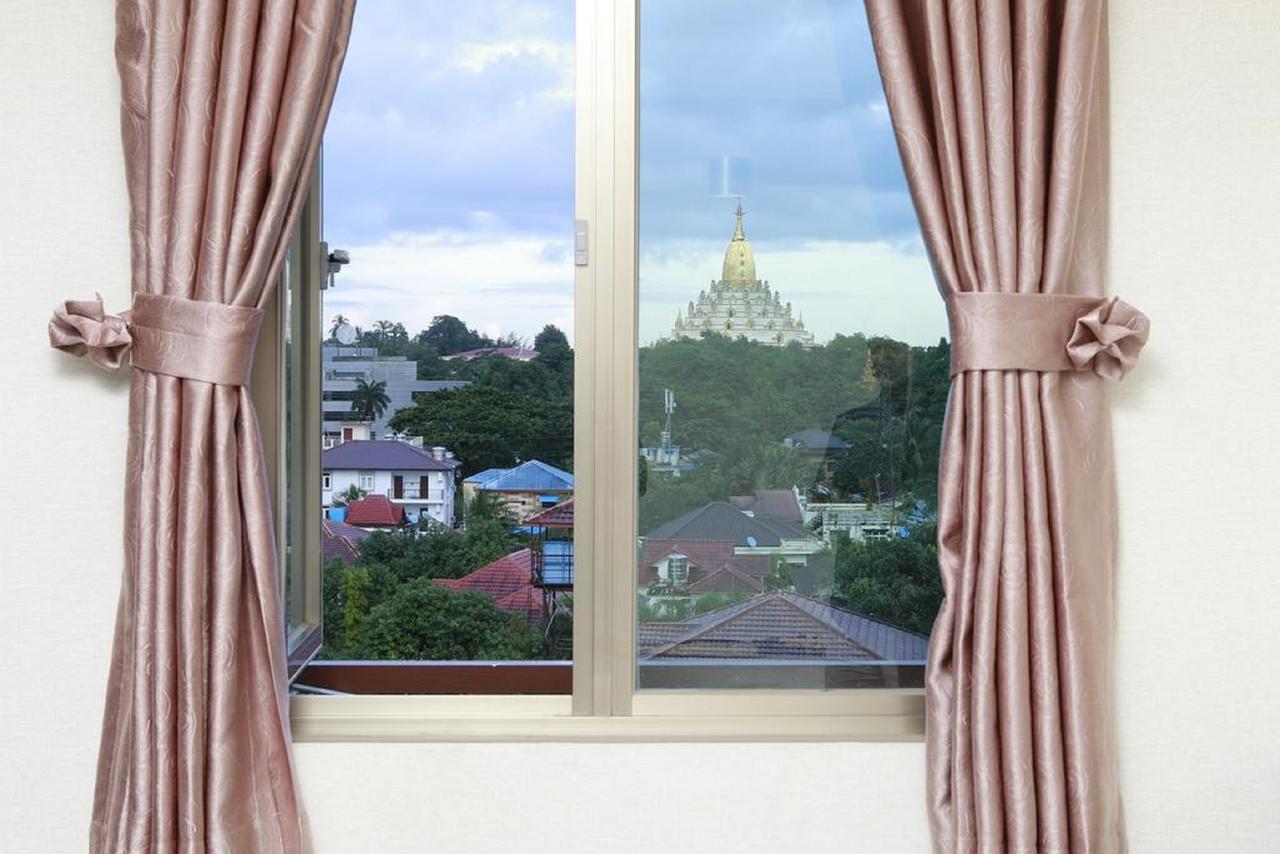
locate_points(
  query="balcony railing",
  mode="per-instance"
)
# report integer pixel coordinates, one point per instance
(413, 493)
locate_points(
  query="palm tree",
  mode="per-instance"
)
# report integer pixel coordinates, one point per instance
(371, 398)
(338, 321)
(348, 495)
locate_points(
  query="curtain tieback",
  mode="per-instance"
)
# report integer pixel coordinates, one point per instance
(191, 339)
(1044, 332)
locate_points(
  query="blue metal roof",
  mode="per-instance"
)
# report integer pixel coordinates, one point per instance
(533, 476)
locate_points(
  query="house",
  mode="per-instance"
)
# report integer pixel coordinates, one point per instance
(815, 443)
(416, 480)
(680, 565)
(342, 368)
(340, 540)
(525, 489)
(803, 636)
(508, 581)
(721, 522)
(373, 512)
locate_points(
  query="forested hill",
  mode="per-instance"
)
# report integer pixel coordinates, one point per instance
(736, 402)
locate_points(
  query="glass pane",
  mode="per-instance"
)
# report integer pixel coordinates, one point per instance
(792, 367)
(447, 369)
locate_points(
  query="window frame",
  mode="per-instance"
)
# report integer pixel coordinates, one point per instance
(605, 704)
(294, 308)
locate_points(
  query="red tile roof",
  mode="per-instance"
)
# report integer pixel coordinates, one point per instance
(374, 511)
(559, 516)
(508, 581)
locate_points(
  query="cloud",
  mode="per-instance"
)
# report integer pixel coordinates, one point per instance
(494, 280)
(449, 164)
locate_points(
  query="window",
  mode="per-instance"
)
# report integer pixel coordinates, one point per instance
(628, 387)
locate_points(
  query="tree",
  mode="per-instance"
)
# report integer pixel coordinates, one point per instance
(895, 581)
(448, 335)
(779, 577)
(424, 621)
(488, 428)
(370, 399)
(553, 349)
(871, 464)
(351, 493)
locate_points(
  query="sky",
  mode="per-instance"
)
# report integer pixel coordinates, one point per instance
(448, 165)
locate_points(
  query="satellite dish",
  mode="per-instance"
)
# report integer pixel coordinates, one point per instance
(345, 333)
(751, 542)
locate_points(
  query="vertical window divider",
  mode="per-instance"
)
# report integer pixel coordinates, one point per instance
(604, 330)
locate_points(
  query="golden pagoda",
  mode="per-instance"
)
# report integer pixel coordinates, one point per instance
(739, 305)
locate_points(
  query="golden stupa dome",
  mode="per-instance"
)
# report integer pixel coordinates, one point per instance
(739, 262)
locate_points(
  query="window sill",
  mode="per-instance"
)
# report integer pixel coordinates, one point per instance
(527, 718)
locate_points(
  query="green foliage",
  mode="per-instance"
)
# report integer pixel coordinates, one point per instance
(346, 496)
(553, 350)
(448, 335)
(438, 551)
(370, 399)
(738, 401)
(490, 428)
(423, 621)
(779, 577)
(673, 609)
(895, 581)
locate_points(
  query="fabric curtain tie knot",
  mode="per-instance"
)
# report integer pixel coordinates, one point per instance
(1044, 332)
(191, 339)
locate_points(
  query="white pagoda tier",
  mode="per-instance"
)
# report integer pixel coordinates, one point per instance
(740, 305)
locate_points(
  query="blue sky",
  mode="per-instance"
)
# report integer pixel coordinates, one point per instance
(449, 164)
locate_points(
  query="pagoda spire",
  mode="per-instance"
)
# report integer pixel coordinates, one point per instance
(738, 233)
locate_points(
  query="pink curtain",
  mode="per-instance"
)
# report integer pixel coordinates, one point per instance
(223, 107)
(1000, 115)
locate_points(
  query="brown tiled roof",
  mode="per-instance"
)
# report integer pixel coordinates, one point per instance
(374, 511)
(726, 578)
(650, 635)
(340, 540)
(782, 625)
(508, 581)
(559, 516)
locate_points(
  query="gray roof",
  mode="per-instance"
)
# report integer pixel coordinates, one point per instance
(781, 625)
(817, 440)
(382, 455)
(780, 504)
(722, 522)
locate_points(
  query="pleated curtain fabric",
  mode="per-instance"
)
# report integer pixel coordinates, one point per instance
(223, 107)
(1000, 115)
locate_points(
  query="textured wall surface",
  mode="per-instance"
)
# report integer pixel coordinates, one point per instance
(1196, 213)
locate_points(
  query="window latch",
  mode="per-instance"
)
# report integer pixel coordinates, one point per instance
(580, 255)
(334, 262)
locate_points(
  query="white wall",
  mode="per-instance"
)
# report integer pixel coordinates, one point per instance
(1196, 207)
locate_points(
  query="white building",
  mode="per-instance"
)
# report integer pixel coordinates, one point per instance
(415, 479)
